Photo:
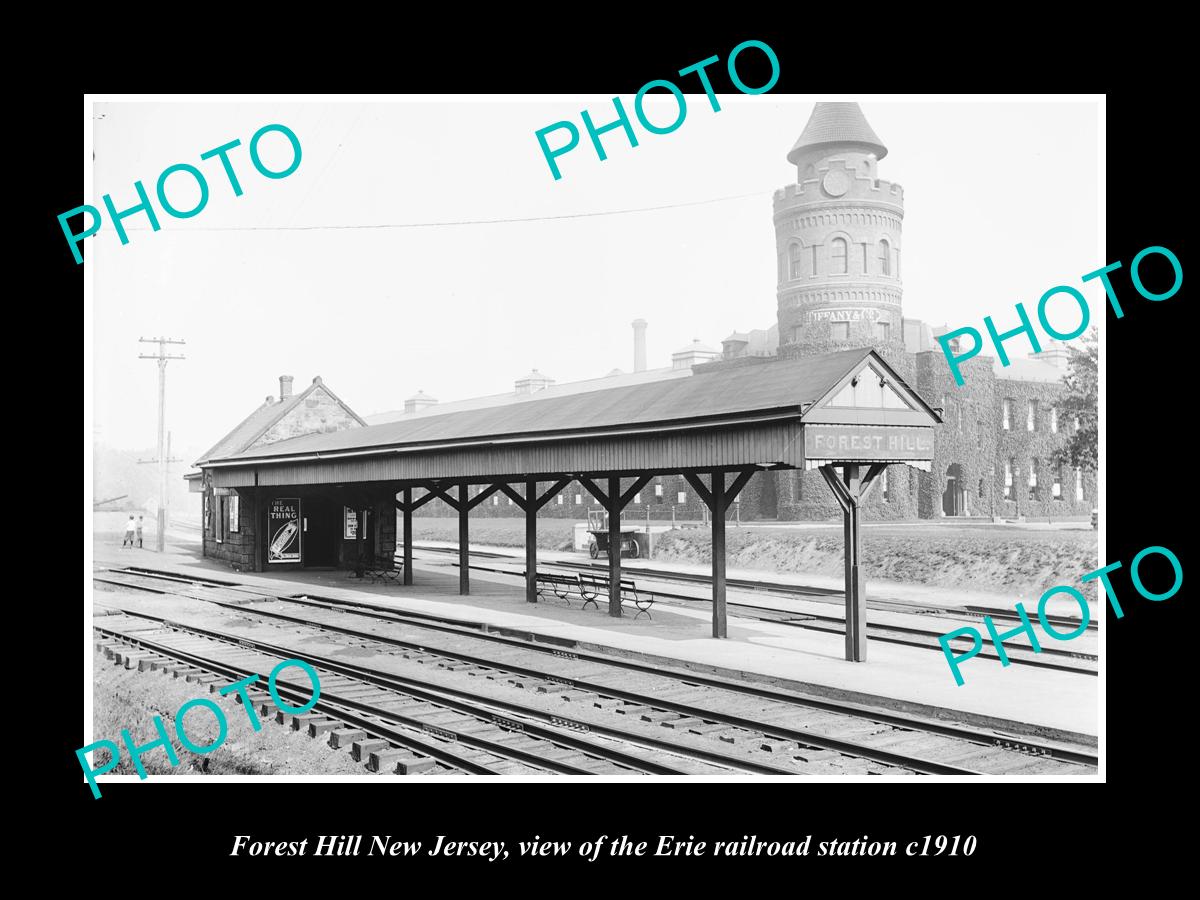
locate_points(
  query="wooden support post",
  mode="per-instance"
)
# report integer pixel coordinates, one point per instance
(856, 595)
(531, 508)
(408, 541)
(720, 627)
(360, 516)
(614, 546)
(464, 542)
(850, 491)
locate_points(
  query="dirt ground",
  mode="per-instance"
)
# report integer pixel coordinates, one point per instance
(126, 698)
(983, 557)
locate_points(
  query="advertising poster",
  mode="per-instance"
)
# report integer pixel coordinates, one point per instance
(283, 530)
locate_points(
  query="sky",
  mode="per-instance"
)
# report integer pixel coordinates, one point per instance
(297, 277)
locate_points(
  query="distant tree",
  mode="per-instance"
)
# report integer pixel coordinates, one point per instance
(1081, 403)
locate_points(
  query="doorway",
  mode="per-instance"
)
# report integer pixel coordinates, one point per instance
(322, 524)
(952, 498)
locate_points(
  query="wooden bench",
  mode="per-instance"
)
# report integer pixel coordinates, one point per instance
(593, 586)
(377, 572)
(562, 586)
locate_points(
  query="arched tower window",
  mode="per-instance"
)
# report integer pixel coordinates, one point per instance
(885, 258)
(838, 256)
(794, 264)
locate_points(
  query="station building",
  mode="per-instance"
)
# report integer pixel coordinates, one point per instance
(326, 531)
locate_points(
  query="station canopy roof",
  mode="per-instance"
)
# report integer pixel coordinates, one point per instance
(777, 389)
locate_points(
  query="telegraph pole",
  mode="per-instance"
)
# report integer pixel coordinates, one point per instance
(162, 357)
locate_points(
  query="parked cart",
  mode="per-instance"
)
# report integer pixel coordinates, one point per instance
(598, 529)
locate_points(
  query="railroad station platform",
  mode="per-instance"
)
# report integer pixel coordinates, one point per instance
(1016, 700)
(877, 589)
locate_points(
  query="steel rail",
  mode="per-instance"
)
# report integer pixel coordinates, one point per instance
(469, 703)
(805, 739)
(569, 649)
(341, 708)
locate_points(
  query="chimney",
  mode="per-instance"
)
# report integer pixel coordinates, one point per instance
(533, 382)
(421, 401)
(639, 345)
(285, 387)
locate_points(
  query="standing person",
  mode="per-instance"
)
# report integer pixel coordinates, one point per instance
(139, 531)
(130, 529)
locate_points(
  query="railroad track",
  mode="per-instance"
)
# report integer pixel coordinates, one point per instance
(588, 693)
(827, 595)
(465, 735)
(1048, 658)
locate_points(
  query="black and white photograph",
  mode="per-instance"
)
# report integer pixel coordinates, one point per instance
(516, 437)
(566, 459)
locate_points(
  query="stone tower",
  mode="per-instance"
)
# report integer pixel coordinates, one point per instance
(837, 235)
(837, 240)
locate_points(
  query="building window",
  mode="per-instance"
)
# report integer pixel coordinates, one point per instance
(1031, 416)
(794, 252)
(980, 494)
(681, 497)
(579, 499)
(866, 259)
(1006, 406)
(637, 498)
(1079, 485)
(1033, 478)
(219, 525)
(234, 513)
(1056, 487)
(839, 331)
(781, 267)
(884, 330)
(1076, 424)
(884, 486)
(658, 490)
(1010, 466)
(559, 499)
(839, 257)
(495, 499)
(1054, 420)
(885, 258)
(204, 515)
(813, 248)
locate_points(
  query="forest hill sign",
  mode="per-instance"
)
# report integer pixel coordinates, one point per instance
(867, 442)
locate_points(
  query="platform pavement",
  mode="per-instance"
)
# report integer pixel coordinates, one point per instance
(877, 588)
(1017, 700)
(699, 597)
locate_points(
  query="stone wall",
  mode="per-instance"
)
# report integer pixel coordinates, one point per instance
(237, 548)
(317, 413)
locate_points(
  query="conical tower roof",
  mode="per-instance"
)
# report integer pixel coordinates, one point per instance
(837, 124)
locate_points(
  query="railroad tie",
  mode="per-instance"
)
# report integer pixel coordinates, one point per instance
(302, 723)
(384, 759)
(360, 750)
(413, 765)
(341, 738)
(659, 715)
